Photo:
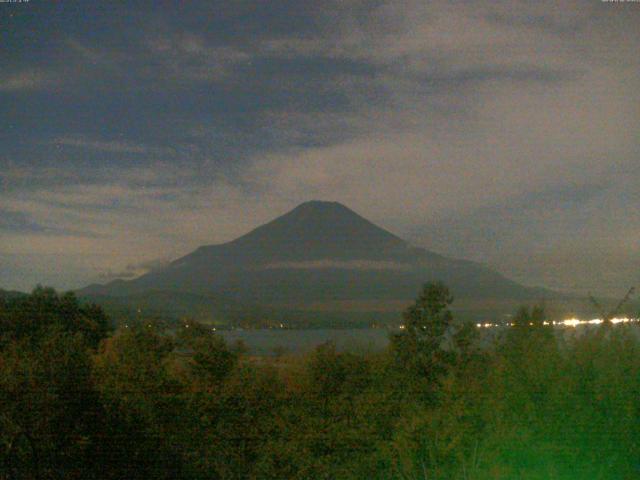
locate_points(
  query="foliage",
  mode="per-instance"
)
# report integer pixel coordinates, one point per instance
(49, 410)
(31, 317)
(430, 342)
(532, 402)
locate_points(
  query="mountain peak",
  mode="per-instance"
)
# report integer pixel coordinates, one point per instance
(321, 205)
(320, 208)
(316, 210)
(321, 229)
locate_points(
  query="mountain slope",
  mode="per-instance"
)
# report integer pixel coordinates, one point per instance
(319, 251)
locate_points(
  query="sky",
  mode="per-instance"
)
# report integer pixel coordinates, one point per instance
(501, 132)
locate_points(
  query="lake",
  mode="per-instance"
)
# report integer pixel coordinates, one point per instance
(356, 340)
(267, 341)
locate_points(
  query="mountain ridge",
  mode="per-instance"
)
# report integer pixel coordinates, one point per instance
(317, 251)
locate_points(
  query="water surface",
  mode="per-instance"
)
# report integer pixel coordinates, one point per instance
(269, 341)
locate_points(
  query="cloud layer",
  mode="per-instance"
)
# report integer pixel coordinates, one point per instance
(504, 132)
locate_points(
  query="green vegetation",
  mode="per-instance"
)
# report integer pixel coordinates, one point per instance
(78, 400)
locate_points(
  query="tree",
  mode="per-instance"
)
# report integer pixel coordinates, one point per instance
(142, 406)
(210, 359)
(427, 344)
(31, 316)
(48, 408)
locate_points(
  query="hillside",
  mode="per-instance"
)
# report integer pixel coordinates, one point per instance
(317, 252)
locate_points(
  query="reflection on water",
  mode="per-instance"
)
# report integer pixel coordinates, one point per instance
(570, 322)
(357, 340)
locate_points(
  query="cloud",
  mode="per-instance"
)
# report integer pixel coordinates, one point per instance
(503, 128)
(105, 146)
(133, 270)
(335, 264)
(189, 56)
(18, 222)
(27, 80)
(163, 56)
(571, 237)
